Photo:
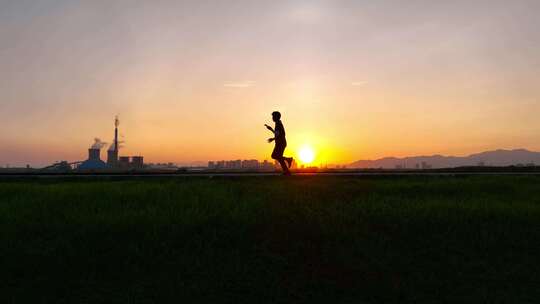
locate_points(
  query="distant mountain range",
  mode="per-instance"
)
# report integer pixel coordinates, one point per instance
(489, 158)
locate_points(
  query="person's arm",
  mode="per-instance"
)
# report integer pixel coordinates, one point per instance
(270, 128)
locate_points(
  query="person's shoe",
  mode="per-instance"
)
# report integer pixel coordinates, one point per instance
(289, 161)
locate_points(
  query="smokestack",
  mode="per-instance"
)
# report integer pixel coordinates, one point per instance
(112, 153)
(116, 123)
(94, 154)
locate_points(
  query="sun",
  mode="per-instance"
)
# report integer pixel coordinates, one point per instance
(306, 155)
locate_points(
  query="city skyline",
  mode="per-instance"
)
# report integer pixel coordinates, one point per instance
(197, 81)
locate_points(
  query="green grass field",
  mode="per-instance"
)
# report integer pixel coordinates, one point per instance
(271, 240)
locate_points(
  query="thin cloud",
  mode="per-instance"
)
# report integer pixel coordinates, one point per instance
(358, 83)
(239, 84)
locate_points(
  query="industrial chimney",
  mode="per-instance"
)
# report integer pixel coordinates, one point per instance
(111, 158)
(94, 154)
(112, 153)
(94, 161)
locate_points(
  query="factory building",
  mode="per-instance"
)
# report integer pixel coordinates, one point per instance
(124, 162)
(137, 162)
(94, 161)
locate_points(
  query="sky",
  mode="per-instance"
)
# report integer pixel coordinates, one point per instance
(197, 80)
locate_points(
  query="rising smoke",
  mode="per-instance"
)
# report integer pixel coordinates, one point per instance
(120, 142)
(98, 144)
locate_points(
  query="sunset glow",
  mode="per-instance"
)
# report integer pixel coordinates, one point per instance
(306, 155)
(194, 81)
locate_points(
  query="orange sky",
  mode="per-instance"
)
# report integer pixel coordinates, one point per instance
(195, 81)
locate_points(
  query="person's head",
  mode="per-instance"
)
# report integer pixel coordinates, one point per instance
(276, 116)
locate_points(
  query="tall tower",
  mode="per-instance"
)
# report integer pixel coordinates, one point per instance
(116, 124)
(112, 153)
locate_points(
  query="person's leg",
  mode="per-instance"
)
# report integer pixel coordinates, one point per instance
(277, 154)
(289, 161)
(283, 165)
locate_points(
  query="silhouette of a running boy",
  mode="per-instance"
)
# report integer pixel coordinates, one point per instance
(280, 143)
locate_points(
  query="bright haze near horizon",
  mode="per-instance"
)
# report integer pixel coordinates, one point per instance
(197, 80)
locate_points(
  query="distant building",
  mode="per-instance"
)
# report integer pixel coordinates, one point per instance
(94, 161)
(250, 164)
(137, 162)
(124, 161)
(266, 165)
(425, 166)
(246, 164)
(60, 166)
(233, 164)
